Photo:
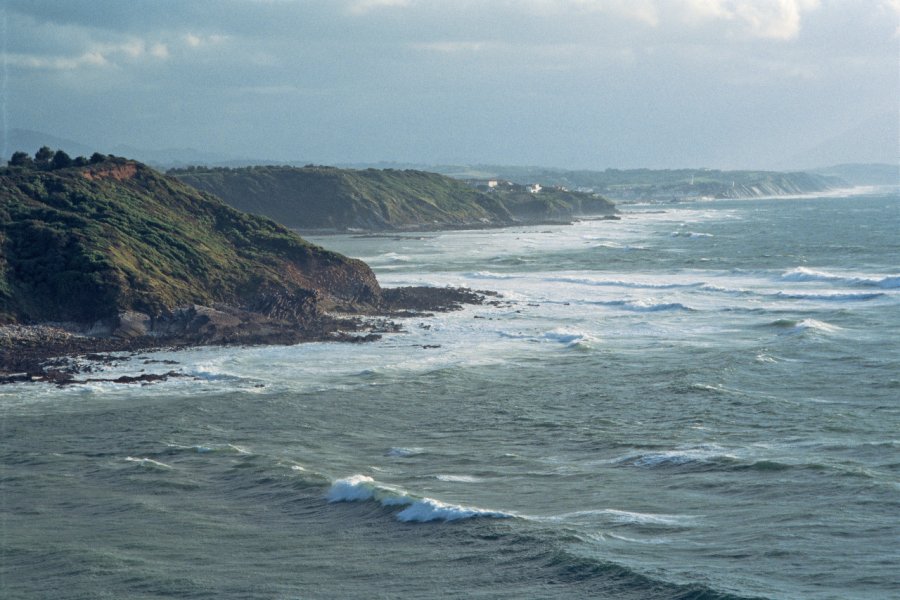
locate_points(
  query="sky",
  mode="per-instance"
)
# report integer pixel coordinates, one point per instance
(580, 84)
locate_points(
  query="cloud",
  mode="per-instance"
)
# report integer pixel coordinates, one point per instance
(98, 55)
(56, 63)
(773, 19)
(197, 41)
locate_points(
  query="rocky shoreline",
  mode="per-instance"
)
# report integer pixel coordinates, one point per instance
(40, 352)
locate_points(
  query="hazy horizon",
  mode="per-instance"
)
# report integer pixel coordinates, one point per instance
(575, 84)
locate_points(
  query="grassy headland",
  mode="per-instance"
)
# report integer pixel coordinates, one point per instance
(328, 198)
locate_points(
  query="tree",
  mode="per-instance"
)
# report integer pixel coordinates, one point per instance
(61, 160)
(43, 157)
(96, 157)
(80, 161)
(21, 159)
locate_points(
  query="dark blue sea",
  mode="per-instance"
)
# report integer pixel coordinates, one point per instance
(698, 401)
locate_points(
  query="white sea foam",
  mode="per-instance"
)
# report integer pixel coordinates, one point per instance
(837, 297)
(352, 489)
(489, 275)
(457, 478)
(677, 456)
(572, 338)
(429, 509)
(645, 305)
(400, 452)
(148, 462)
(625, 516)
(358, 488)
(805, 274)
(691, 234)
(620, 283)
(813, 325)
(394, 257)
(623, 538)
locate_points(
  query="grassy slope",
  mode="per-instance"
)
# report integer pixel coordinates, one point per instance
(329, 198)
(74, 248)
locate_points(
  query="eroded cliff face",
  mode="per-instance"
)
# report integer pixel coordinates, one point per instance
(88, 244)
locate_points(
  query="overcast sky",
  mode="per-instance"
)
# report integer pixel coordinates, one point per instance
(565, 83)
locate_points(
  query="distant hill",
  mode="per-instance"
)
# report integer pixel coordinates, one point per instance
(329, 198)
(864, 174)
(28, 140)
(661, 185)
(167, 158)
(85, 243)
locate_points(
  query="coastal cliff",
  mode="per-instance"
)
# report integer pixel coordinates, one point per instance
(83, 243)
(659, 185)
(328, 198)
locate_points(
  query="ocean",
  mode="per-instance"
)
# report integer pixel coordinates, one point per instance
(698, 401)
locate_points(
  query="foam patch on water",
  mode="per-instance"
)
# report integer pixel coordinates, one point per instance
(621, 283)
(679, 456)
(806, 325)
(631, 517)
(624, 517)
(648, 305)
(691, 234)
(457, 478)
(360, 488)
(572, 338)
(804, 274)
(400, 452)
(835, 297)
(148, 462)
(489, 275)
(429, 509)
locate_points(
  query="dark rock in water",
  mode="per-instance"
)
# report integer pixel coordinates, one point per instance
(430, 298)
(123, 258)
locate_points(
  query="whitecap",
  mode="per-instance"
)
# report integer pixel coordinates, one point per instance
(623, 538)
(691, 234)
(815, 325)
(148, 462)
(631, 517)
(400, 452)
(805, 274)
(572, 338)
(352, 489)
(836, 297)
(429, 509)
(678, 456)
(488, 275)
(457, 478)
(620, 283)
(644, 305)
(357, 488)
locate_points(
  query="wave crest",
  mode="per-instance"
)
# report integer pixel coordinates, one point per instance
(805, 274)
(357, 488)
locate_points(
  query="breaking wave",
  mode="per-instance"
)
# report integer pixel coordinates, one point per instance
(851, 297)
(804, 274)
(645, 305)
(358, 488)
(791, 326)
(625, 284)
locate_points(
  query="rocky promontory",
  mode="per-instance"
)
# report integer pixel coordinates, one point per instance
(108, 255)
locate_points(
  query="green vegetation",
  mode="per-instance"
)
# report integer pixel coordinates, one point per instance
(80, 243)
(658, 184)
(315, 197)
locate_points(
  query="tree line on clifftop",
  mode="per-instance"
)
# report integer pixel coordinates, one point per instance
(47, 159)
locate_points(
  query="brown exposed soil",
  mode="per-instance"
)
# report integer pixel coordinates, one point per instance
(119, 172)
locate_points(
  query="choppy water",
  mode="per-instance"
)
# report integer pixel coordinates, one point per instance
(697, 401)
